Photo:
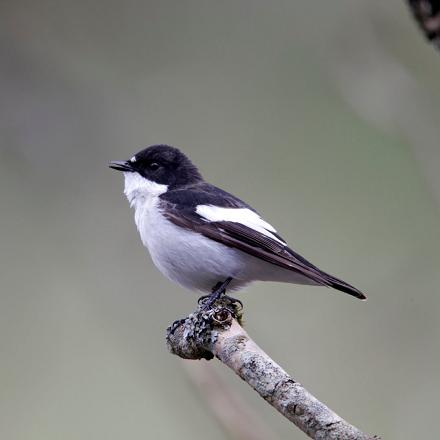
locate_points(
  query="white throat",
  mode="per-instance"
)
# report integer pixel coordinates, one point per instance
(140, 190)
(143, 195)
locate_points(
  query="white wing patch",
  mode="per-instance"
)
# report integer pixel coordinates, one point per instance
(238, 215)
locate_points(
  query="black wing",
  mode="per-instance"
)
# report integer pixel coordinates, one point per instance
(202, 193)
(246, 239)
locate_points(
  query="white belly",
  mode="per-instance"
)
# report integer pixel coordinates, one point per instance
(196, 262)
(186, 257)
(189, 258)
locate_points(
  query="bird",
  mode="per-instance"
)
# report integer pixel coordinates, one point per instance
(204, 238)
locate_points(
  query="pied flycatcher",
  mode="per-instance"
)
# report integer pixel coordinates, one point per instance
(204, 238)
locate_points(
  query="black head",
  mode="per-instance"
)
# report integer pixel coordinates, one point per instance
(161, 164)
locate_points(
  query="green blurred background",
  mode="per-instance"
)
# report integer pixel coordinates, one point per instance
(323, 115)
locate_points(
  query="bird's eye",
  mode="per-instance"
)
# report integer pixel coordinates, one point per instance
(154, 166)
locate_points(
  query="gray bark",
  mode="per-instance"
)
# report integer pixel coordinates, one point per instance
(217, 332)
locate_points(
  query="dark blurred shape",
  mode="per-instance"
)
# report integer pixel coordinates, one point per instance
(427, 14)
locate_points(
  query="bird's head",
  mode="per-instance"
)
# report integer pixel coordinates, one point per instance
(156, 169)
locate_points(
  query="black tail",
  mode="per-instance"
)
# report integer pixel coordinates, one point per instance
(323, 278)
(344, 287)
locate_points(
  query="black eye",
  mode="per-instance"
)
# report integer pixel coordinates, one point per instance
(154, 166)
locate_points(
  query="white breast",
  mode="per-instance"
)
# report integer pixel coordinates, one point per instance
(186, 257)
(189, 258)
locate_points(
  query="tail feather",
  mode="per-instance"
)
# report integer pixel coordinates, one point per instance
(338, 284)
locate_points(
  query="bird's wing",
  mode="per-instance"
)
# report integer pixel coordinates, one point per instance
(242, 228)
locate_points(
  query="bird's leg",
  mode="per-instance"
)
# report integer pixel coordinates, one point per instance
(217, 291)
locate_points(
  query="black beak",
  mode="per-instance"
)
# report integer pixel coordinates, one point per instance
(121, 165)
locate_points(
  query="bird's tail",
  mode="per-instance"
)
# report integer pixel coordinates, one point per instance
(338, 284)
(323, 278)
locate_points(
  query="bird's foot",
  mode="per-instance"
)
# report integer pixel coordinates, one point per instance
(233, 300)
(208, 304)
(217, 291)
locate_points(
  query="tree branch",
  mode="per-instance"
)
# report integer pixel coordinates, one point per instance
(217, 332)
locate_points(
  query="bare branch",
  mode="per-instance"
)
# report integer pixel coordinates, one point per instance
(217, 332)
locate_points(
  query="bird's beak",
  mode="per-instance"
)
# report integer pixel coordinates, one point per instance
(121, 165)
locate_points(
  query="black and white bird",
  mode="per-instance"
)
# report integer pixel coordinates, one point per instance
(204, 238)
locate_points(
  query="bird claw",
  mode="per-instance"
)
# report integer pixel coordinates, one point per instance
(233, 300)
(218, 291)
